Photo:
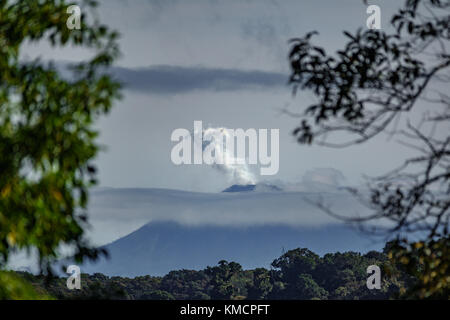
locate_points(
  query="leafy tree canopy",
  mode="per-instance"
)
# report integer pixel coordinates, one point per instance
(379, 83)
(47, 139)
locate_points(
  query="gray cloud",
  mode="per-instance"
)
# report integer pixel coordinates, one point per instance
(115, 213)
(176, 79)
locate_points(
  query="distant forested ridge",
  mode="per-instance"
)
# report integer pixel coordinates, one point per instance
(297, 274)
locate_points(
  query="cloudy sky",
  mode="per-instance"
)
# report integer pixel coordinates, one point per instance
(224, 63)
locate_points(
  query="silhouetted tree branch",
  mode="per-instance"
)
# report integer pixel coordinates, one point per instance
(365, 89)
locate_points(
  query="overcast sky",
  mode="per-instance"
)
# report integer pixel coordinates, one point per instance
(225, 63)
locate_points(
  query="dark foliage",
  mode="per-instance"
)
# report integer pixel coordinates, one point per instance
(297, 274)
(394, 84)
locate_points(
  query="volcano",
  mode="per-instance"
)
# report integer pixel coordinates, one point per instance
(160, 247)
(261, 187)
(240, 188)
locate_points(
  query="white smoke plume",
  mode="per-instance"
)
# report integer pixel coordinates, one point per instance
(236, 169)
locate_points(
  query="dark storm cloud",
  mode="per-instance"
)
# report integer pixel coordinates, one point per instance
(174, 79)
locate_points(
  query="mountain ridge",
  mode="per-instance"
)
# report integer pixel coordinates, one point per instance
(159, 247)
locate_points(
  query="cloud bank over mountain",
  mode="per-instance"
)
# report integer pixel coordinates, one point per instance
(117, 212)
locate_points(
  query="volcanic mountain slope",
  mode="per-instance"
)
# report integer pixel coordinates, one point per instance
(160, 247)
(154, 231)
